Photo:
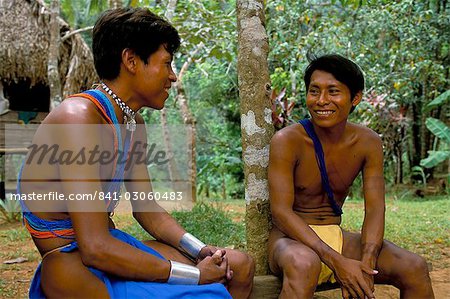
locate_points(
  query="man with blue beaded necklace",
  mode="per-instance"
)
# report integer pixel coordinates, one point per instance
(86, 256)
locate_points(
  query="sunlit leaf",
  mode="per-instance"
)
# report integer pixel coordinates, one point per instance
(438, 128)
(440, 100)
(435, 158)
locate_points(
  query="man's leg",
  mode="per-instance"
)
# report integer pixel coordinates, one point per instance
(299, 265)
(242, 265)
(65, 276)
(398, 267)
(243, 268)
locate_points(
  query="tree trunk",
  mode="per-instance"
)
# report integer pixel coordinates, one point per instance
(416, 129)
(399, 165)
(172, 165)
(423, 127)
(256, 124)
(401, 150)
(190, 123)
(54, 79)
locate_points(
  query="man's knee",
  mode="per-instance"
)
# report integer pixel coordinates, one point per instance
(301, 271)
(243, 264)
(57, 278)
(415, 266)
(297, 263)
(408, 269)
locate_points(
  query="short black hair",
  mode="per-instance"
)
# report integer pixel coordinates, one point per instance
(343, 69)
(137, 29)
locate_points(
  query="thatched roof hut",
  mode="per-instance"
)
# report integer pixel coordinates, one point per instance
(24, 43)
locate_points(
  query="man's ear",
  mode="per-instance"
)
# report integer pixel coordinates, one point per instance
(129, 60)
(357, 99)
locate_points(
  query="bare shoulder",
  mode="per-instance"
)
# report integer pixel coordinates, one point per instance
(364, 134)
(75, 110)
(290, 135)
(288, 144)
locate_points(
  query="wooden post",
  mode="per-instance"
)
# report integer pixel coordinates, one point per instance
(256, 124)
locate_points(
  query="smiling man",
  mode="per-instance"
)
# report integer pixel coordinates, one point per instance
(83, 255)
(312, 166)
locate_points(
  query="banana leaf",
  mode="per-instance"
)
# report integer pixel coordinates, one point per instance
(434, 158)
(440, 100)
(438, 128)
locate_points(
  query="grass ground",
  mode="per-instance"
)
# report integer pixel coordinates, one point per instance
(422, 226)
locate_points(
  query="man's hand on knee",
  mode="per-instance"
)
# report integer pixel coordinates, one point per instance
(206, 251)
(351, 275)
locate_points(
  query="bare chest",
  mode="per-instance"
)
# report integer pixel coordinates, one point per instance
(342, 167)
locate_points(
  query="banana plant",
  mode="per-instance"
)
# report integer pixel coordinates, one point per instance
(441, 131)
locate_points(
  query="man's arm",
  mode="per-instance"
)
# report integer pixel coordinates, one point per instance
(374, 201)
(97, 247)
(153, 218)
(156, 221)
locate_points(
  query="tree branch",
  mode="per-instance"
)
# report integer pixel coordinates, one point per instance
(188, 62)
(70, 33)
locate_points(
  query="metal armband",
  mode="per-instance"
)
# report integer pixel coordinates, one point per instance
(183, 274)
(191, 245)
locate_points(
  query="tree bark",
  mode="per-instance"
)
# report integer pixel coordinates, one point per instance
(190, 123)
(256, 124)
(54, 79)
(416, 127)
(172, 165)
(423, 127)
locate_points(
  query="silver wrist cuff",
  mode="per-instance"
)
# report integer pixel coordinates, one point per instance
(191, 245)
(183, 274)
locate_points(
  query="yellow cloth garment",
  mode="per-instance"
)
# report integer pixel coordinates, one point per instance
(331, 235)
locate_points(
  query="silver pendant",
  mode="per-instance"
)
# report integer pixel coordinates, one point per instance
(131, 123)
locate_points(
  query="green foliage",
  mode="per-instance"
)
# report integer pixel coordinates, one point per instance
(439, 129)
(440, 100)
(387, 118)
(209, 22)
(82, 13)
(212, 225)
(212, 90)
(10, 210)
(435, 158)
(417, 170)
(408, 222)
(206, 221)
(442, 131)
(14, 235)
